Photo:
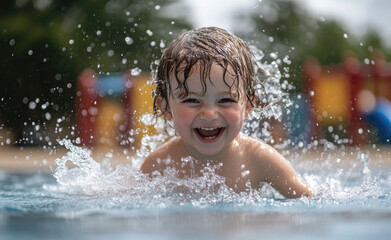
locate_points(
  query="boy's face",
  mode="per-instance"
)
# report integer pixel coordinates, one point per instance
(208, 123)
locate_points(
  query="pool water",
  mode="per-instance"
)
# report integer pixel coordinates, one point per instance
(86, 199)
(95, 200)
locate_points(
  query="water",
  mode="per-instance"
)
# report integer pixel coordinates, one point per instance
(92, 200)
(86, 199)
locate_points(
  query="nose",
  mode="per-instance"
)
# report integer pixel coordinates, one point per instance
(209, 112)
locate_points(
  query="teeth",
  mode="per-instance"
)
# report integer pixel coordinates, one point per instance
(207, 129)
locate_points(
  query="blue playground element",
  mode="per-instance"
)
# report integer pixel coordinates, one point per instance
(297, 121)
(112, 85)
(380, 118)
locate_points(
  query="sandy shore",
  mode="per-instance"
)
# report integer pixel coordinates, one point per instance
(35, 158)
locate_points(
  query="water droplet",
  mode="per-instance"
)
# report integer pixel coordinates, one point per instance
(93, 111)
(135, 71)
(162, 44)
(48, 116)
(273, 55)
(129, 40)
(58, 76)
(245, 173)
(149, 32)
(110, 53)
(32, 105)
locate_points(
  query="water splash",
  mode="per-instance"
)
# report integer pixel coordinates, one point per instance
(269, 79)
(124, 186)
(85, 175)
(364, 158)
(77, 173)
(127, 186)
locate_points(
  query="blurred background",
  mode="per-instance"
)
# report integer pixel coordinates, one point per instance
(46, 44)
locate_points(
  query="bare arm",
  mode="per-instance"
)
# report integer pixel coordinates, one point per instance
(281, 175)
(158, 159)
(148, 166)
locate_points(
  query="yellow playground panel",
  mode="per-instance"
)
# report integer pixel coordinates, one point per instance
(108, 122)
(333, 93)
(142, 105)
(331, 98)
(110, 109)
(112, 114)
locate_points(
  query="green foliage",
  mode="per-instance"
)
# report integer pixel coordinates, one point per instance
(46, 44)
(285, 28)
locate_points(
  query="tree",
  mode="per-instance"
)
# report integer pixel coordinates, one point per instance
(285, 28)
(46, 44)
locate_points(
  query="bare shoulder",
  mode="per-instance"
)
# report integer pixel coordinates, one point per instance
(265, 160)
(155, 160)
(260, 151)
(270, 166)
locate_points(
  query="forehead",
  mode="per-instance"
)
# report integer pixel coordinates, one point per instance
(218, 77)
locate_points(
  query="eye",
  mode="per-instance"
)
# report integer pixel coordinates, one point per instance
(227, 100)
(190, 100)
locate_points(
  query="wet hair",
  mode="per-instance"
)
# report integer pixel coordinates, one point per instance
(205, 47)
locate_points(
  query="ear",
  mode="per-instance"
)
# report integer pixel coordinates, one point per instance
(163, 106)
(249, 106)
(248, 110)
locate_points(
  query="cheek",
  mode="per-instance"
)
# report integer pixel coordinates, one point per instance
(235, 114)
(183, 115)
(235, 118)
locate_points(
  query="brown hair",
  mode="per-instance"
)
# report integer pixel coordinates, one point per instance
(204, 46)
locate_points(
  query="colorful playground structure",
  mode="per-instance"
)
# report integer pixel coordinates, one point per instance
(109, 107)
(351, 99)
(353, 95)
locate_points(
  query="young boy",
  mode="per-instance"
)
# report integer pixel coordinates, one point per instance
(205, 87)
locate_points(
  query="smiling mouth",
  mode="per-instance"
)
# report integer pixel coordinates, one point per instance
(209, 134)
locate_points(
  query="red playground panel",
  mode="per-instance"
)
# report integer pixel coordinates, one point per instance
(108, 108)
(333, 92)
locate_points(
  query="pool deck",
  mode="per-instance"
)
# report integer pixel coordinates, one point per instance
(35, 158)
(38, 159)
